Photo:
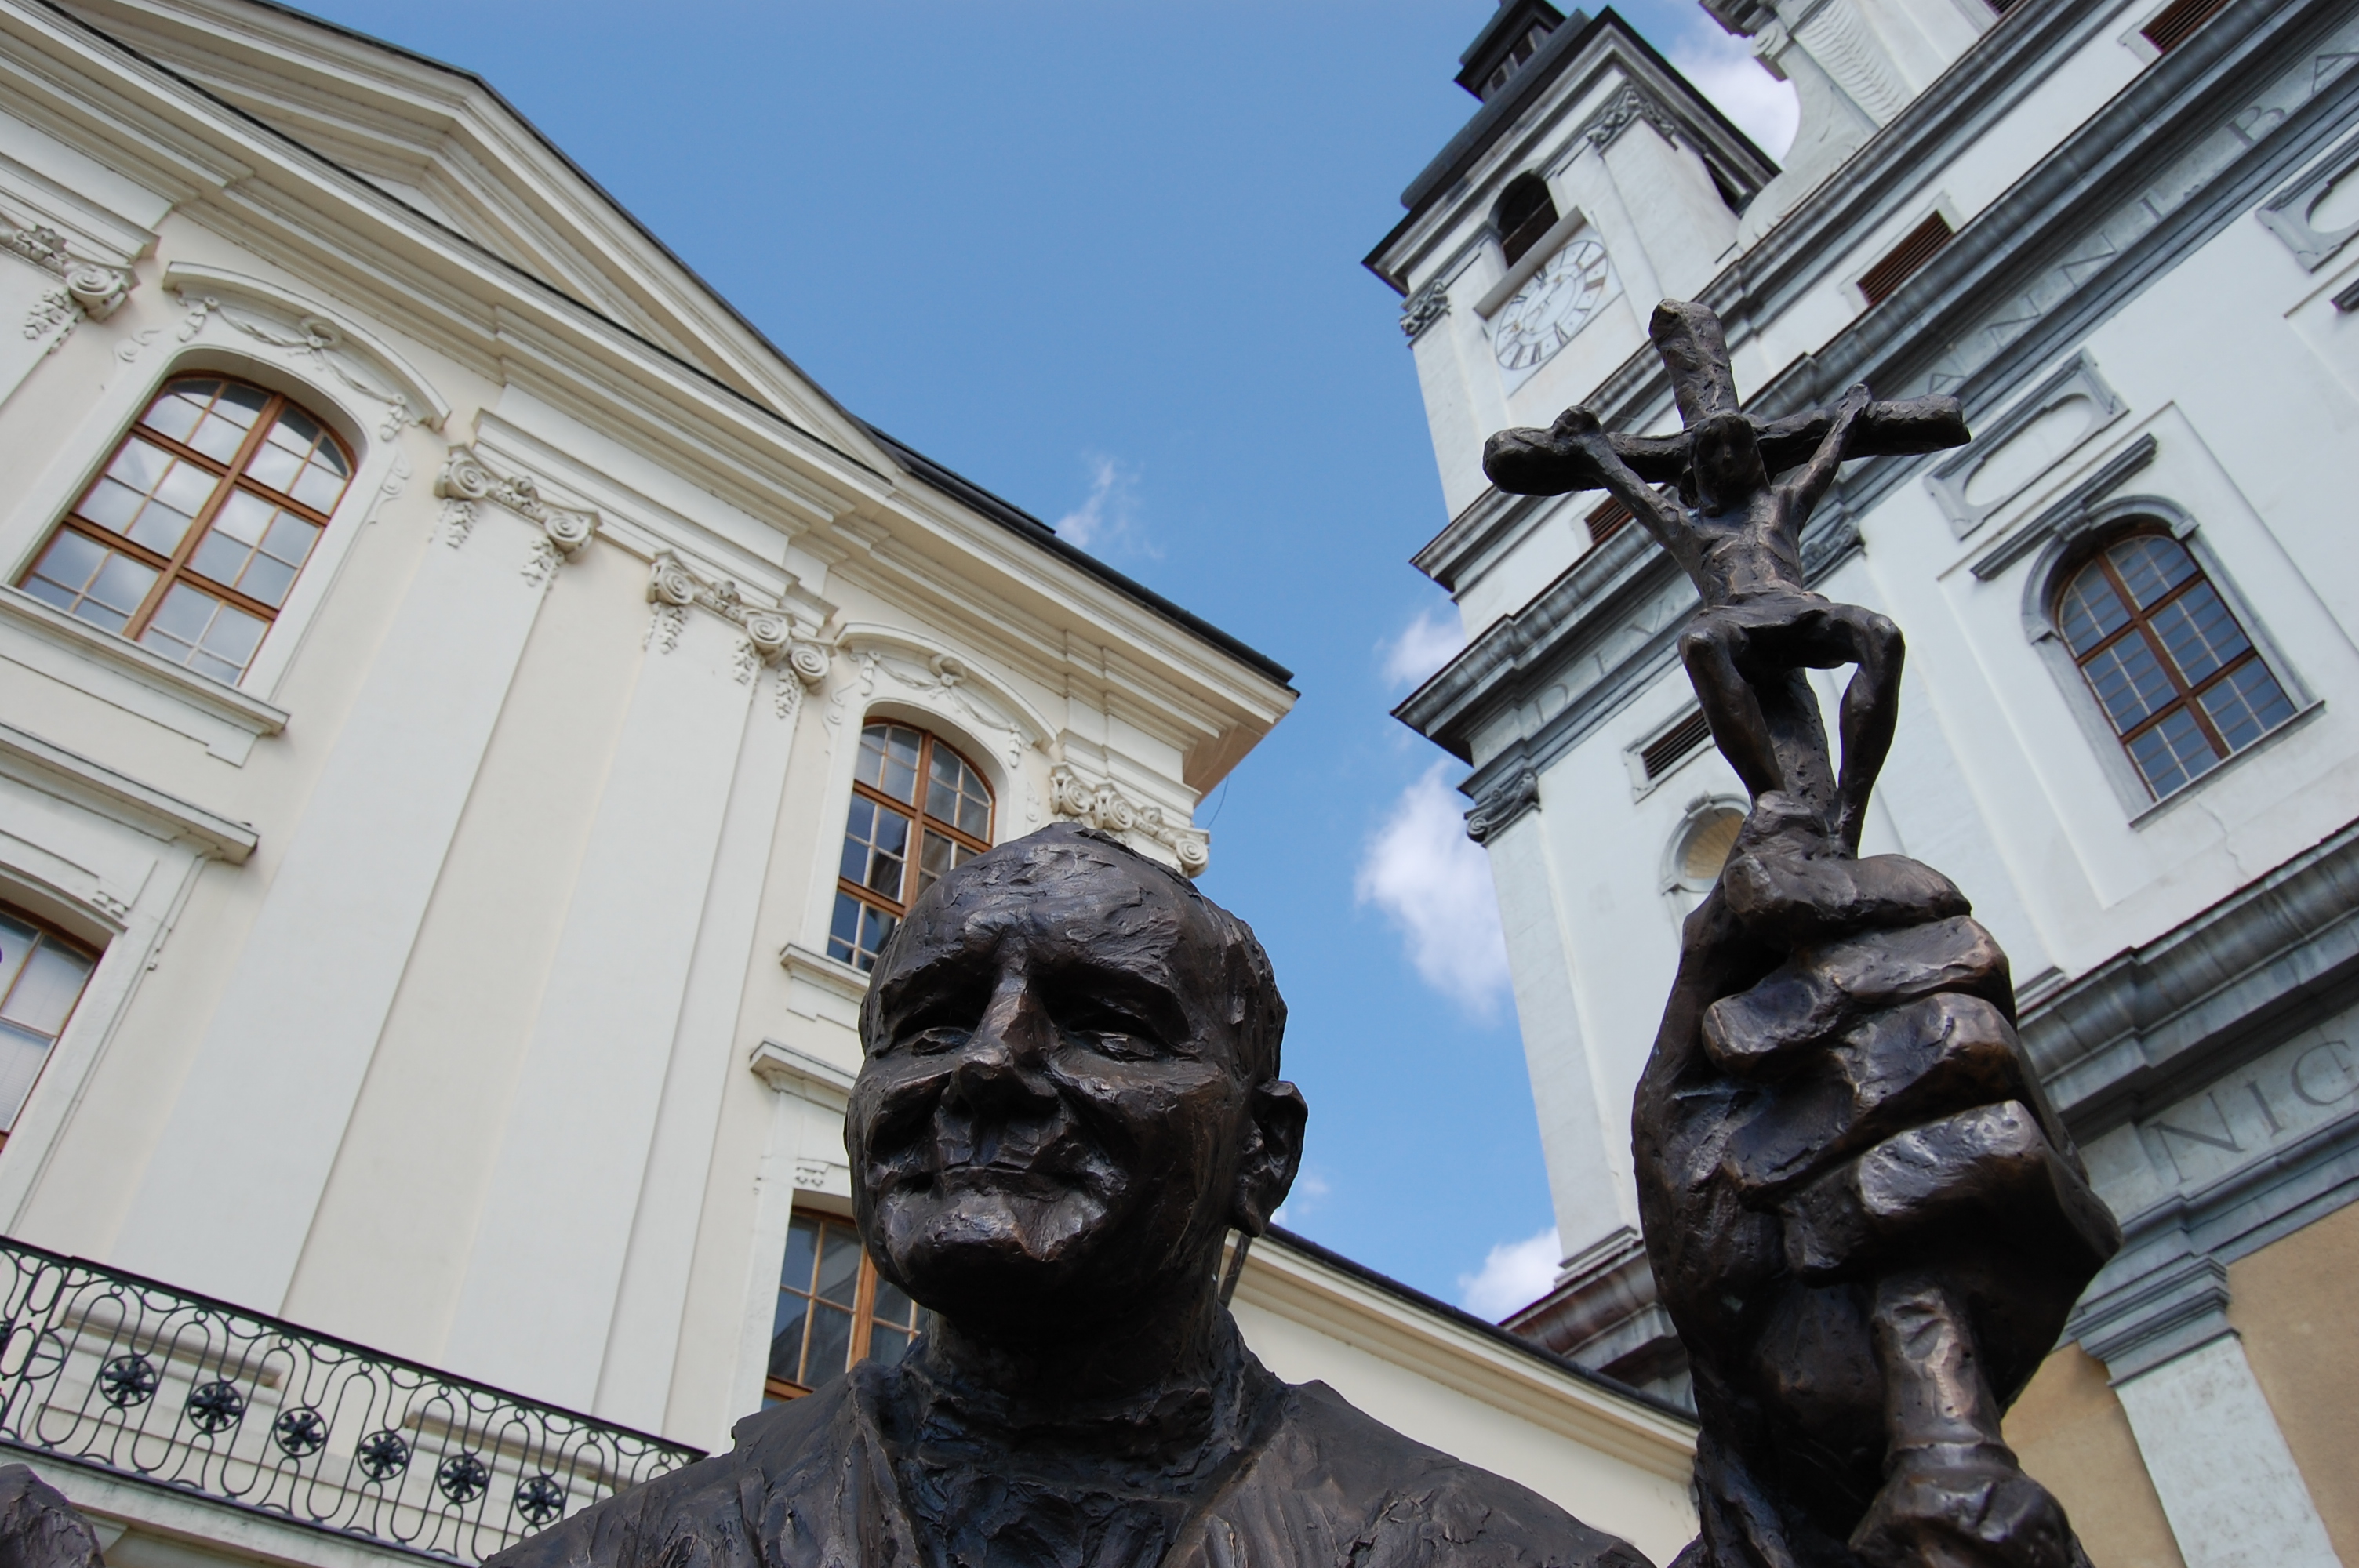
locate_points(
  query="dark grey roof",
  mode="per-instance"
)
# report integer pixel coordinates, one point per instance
(1477, 134)
(1009, 515)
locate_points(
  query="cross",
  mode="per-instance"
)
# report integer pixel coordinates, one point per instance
(1736, 528)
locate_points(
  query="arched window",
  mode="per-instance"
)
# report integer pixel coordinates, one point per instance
(908, 790)
(189, 541)
(42, 973)
(1524, 214)
(2181, 683)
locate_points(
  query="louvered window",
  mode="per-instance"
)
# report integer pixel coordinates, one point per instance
(1609, 520)
(1675, 745)
(1524, 216)
(2177, 23)
(1884, 279)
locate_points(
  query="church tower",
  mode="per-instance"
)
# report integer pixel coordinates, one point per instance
(2124, 234)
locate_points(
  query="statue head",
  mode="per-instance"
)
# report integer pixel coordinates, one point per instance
(1071, 1091)
(1726, 457)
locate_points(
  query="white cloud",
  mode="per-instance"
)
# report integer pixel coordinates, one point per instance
(1723, 69)
(1515, 1274)
(1434, 884)
(1110, 516)
(1309, 1195)
(1425, 644)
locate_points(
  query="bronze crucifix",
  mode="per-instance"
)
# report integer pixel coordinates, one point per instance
(1860, 1212)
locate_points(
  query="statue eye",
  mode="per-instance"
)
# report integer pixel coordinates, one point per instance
(1107, 1028)
(934, 1041)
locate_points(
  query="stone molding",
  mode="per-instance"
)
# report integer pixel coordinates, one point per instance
(466, 482)
(311, 335)
(1950, 478)
(1103, 806)
(2069, 516)
(2151, 1019)
(2155, 1318)
(86, 290)
(55, 770)
(791, 1071)
(2288, 214)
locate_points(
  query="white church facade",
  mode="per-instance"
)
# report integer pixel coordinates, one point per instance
(2120, 231)
(470, 709)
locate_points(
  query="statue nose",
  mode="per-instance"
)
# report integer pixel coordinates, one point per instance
(999, 1067)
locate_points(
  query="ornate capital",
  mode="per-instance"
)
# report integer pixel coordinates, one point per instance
(1424, 308)
(770, 636)
(86, 288)
(466, 482)
(1623, 109)
(1103, 806)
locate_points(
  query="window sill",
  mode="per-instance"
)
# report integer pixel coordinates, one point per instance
(799, 1072)
(2196, 786)
(114, 670)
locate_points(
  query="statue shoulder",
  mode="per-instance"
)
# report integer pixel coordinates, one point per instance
(691, 1518)
(1438, 1508)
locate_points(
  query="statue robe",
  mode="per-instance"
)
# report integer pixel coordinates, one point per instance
(822, 1483)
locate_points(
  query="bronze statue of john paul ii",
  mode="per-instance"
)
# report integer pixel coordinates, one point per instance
(1071, 1096)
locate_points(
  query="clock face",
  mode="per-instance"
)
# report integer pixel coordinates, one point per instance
(1554, 304)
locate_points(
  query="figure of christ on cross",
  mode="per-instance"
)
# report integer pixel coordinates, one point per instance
(1861, 1213)
(1738, 534)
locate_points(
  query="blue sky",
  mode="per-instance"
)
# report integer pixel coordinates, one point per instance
(1104, 259)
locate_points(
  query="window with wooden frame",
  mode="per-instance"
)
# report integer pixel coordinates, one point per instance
(910, 792)
(834, 1310)
(189, 541)
(2179, 680)
(43, 972)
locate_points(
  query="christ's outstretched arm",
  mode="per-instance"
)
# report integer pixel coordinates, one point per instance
(1578, 435)
(1799, 496)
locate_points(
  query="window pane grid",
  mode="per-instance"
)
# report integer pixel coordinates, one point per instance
(2177, 677)
(190, 538)
(41, 979)
(951, 817)
(833, 1309)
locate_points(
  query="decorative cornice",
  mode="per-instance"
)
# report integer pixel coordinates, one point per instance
(85, 288)
(1623, 109)
(2155, 1318)
(28, 756)
(1102, 806)
(466, 482)
(1426, 307)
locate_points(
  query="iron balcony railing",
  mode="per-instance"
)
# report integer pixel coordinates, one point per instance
(107, 1370)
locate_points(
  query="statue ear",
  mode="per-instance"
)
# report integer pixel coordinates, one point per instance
(1272, 1154)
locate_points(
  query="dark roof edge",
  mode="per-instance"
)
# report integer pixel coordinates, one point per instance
(1465, 1319)
(1017, 520)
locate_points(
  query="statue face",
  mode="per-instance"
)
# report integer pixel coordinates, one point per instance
(1052, 1117)
(1727, 461)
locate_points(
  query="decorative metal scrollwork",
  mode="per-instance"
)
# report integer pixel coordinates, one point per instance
(299, 1432)
(382, 1455)
(538, 1500)
(462, 1477)
(216, 1406)
(326, 1435)
(127, 1381)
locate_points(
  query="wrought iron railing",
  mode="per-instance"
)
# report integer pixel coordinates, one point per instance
(108, 1369)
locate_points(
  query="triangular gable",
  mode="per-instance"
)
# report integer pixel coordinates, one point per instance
(443, 140)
